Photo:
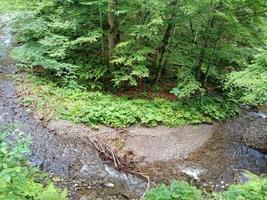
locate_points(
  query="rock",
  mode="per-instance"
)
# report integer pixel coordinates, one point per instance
(109, 185)
(256, 135)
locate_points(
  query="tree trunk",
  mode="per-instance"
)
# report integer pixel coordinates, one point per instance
(217, 44)
(162, 50)
(113, 21)
(210, 25)
(204, 48)
(165, 42)
(101, 25)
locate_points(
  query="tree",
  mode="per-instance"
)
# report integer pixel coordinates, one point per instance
(113, 21)
(193, 44)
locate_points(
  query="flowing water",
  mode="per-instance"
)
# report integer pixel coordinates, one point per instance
(223, 159)
(77, 165)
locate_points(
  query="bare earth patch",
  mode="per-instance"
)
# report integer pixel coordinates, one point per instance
(146, 144)
(163, 144)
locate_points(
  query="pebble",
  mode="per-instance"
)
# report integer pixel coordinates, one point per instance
(109, 185)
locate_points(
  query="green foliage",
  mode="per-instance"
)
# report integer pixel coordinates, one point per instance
(177, 191)
(18, 180)
(187, 85)
(202, 50)
(216, 107)
(93, 108)
(249, 86)
(133, 63)
(254, 189)
(18, 5)
(192, 44)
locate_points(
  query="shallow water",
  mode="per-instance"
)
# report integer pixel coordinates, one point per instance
(225, 156)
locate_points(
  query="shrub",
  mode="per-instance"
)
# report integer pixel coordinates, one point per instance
(255, 189)
(93, 108)
(178, 190)
(18, 180)
(249, 86)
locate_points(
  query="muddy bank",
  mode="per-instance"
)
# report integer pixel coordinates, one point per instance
(213, 156)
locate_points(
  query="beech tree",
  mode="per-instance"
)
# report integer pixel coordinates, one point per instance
(188, 47)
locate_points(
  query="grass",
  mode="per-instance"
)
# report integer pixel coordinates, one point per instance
(94, 108)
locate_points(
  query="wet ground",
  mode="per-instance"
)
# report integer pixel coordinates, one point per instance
(224, 157)
(211, 155)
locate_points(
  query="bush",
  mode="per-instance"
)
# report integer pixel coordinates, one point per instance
(93, 108)
(254, 189)
(178, 190)
(249, 86)
(18, 180)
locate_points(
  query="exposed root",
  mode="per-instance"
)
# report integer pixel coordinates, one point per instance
(148, 182)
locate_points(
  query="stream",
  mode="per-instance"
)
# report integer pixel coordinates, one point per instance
(74, 163)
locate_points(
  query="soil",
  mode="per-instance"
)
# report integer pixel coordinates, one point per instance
(163, 144)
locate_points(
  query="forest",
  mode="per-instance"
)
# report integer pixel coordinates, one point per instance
(166, 62)
(150, 47)
(128, 65)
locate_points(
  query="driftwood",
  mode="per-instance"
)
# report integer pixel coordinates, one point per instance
(109, 153)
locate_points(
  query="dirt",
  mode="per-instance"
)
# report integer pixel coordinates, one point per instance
(163, 144)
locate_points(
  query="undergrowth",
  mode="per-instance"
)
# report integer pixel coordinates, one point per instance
(93, 108)
(255, 189)
(178, 190)
(19, 180)
(8, 6)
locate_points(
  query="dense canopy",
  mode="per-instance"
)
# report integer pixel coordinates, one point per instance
(186, 47)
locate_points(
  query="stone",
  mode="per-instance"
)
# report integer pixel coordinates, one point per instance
(109, 185)
(256, 135)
